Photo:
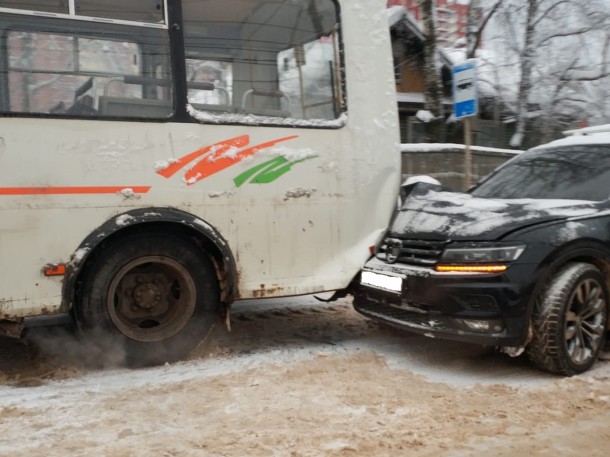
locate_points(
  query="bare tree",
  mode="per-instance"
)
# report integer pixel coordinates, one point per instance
(477, 22)
(558, 49)
(433, 89)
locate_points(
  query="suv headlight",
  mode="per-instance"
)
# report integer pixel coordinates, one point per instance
(477, 258)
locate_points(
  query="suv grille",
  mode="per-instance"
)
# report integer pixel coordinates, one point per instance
(411, 252)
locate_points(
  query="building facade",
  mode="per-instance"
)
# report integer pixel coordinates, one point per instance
(451, 18)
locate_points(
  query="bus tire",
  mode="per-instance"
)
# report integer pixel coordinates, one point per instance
(154, 295)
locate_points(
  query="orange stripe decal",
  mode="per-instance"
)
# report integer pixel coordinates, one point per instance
(217, 157)
(217, 148)
(224, 158)
(82, 190)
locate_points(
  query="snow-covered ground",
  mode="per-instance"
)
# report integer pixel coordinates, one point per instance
(297, 377)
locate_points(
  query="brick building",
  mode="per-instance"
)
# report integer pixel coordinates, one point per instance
(452, 17)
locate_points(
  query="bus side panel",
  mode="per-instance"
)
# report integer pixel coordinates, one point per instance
(296, 228)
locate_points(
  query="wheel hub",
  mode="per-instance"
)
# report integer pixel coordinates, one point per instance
(147, 296)
(151, 298)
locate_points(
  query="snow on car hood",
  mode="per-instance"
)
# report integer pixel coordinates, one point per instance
(443, 215)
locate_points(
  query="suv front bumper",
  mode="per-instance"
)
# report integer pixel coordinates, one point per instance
(487, 309)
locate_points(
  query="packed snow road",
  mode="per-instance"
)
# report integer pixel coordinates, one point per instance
(296, 378)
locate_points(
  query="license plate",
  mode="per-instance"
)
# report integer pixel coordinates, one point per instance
(381, 281)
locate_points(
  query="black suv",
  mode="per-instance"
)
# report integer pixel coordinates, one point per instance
(521, 261)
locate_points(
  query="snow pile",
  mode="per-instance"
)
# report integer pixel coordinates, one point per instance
(603, 137)
(395, 14)
(445, 147)
(589, 130)
(425, 116)
(123, 220)
(421, 178)
(254, 119)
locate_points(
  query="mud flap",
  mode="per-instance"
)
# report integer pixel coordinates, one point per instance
(12, 329)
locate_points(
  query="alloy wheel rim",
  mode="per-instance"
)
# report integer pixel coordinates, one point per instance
(585, 320)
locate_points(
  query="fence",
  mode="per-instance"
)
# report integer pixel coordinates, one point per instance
(445, 162)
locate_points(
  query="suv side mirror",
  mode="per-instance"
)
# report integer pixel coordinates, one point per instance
(417, 185)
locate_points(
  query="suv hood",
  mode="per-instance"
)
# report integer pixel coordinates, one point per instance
(460, 216)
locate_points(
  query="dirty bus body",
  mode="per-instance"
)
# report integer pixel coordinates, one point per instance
(159, 160)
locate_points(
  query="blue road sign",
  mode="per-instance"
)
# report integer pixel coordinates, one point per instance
(465, 89)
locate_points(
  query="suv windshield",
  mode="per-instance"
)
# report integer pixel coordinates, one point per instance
(578, 172)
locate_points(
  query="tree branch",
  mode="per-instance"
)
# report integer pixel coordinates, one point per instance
(479, 33)
(548, 11)
(591, 75)
(564, 34)
(583, 78)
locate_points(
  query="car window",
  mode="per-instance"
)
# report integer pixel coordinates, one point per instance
(570, 172)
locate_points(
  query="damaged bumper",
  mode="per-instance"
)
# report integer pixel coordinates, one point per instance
(487, 309)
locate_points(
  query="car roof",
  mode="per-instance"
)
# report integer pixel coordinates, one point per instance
(590, 135)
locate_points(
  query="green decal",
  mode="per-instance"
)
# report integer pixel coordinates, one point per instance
(268, 171)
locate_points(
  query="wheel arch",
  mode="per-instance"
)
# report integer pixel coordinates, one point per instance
(589, 251)
(146, 220)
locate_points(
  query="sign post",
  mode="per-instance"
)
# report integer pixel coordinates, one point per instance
(465, 106)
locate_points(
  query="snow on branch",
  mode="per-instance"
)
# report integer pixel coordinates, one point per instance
(568, 33)
(585, 75)
(603, 71)
(474, 34)
(548, 11)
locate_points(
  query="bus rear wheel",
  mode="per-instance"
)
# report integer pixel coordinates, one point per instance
(155, 295)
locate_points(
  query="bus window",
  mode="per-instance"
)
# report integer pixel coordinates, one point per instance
(210, 83)
(150, 11)
(309, 69)
(275, 58)
(48, 6)
(101, 72)
(132, 10)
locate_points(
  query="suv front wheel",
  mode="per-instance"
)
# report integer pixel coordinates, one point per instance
(569, 320)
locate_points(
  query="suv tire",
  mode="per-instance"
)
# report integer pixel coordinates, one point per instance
(569, 320)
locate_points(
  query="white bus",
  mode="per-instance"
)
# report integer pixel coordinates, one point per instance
(160, 159)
